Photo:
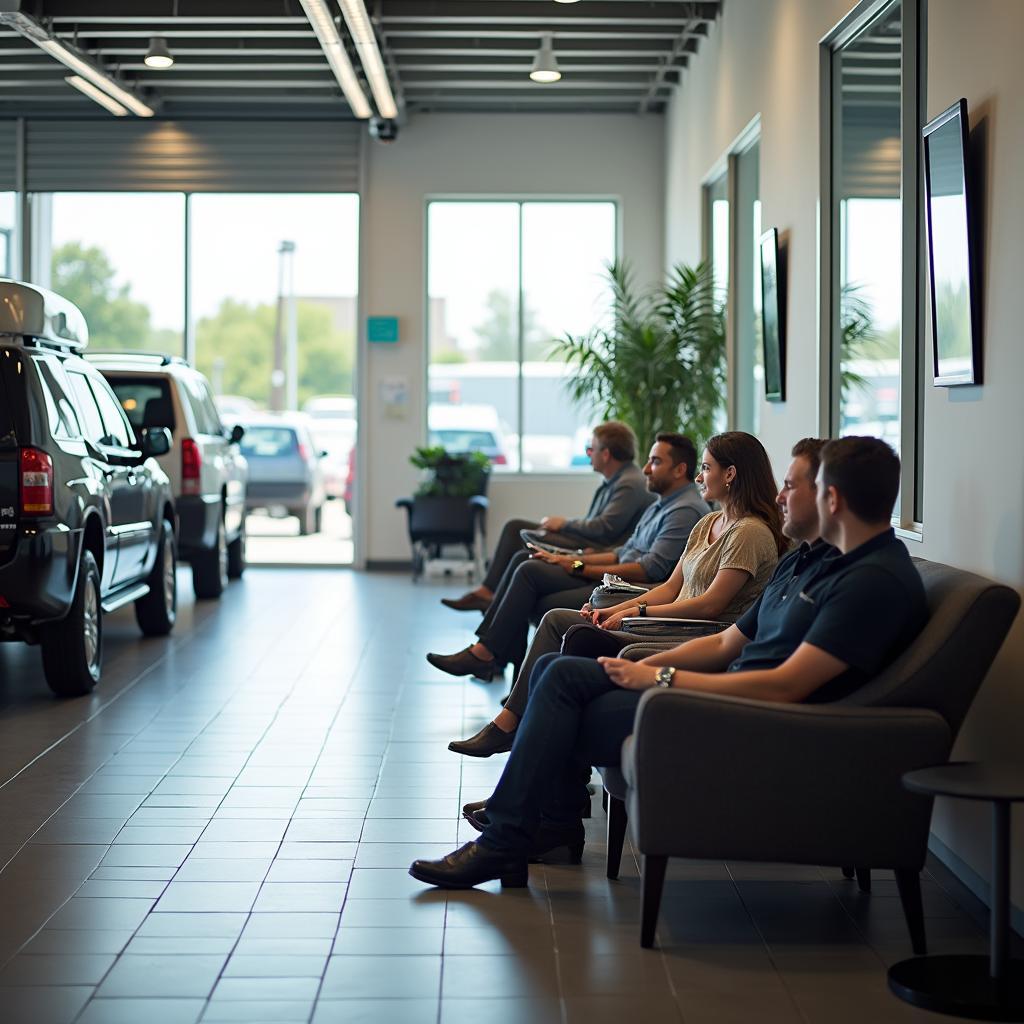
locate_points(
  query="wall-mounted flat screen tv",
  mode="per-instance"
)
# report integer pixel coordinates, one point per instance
(956, 338)
(773, 317)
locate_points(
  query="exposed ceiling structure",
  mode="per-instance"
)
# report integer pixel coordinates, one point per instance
(261, 58)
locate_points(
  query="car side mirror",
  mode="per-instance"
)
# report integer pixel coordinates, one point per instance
(156, 441)
(237, 433)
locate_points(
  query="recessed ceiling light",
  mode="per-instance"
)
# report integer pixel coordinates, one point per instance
(158, 56)
(545, 66)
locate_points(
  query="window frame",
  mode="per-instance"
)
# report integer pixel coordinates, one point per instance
(909, 521)
(519, 199)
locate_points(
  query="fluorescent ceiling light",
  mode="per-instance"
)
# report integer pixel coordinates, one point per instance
(159, 56)
(545, 66)
(365, 38)
(330, 42)
(92, 74)
(98, 95)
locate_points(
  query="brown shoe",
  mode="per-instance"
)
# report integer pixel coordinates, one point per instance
(465, 663)
(470, 602)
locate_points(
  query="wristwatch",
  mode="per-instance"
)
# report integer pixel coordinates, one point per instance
(663, 677)
(577, 567)
(641, 608)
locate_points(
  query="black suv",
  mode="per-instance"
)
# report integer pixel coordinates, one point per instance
(87, 521)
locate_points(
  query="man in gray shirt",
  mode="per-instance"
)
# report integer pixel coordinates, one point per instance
(532, 584)
(617, 505)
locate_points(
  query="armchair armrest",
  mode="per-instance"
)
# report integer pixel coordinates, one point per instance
(405, 503)
(479, 501)
(714, 776)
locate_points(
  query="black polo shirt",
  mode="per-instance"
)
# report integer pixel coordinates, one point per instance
(863, 608)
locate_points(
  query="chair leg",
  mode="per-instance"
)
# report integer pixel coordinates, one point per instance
(908, 882)
(616, 834)
(653, 872)
(604, 800)
(849, 872)
(864, 879)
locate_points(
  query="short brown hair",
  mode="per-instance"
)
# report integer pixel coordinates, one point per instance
(866, 472)
(809, 448)
(682, 450)
(618, 438)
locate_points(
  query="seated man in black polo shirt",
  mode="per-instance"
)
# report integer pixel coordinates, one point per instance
(829, 619)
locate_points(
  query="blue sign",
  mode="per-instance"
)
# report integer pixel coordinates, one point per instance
(382, 329)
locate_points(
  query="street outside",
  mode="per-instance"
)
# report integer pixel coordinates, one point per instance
(273, 541)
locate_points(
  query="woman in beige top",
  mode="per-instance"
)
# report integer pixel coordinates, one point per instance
(728, 560)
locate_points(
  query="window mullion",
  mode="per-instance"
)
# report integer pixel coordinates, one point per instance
(520, 346)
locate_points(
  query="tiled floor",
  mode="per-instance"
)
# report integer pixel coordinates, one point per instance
(222, 833)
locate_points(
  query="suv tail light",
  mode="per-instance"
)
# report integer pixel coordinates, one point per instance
(191, 464)
(36, 483)
(499, 459)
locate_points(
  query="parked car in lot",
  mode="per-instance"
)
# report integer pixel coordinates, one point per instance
(206, 469)
(330, 407)
(336, 437)
(285, 475)
(468, 428)
(87, 518)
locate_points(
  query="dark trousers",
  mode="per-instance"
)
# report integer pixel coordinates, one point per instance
(525, 584)
(576, 717)
(510, 543)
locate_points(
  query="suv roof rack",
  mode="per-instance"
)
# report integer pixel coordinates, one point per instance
(31, 314)
(163, 358)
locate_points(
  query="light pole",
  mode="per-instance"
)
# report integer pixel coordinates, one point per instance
(285, 335)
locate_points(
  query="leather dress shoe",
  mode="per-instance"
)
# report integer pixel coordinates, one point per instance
(467, 603)
(465, 663)
(489, 740)
(470, 865)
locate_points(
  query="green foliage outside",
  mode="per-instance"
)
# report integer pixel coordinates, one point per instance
(661, 363)
(243, 337)
(234, 346)
(499, 333)
(450, 476)
(85, 275)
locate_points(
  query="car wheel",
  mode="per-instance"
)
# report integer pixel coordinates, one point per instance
(236, 554)
(308, 521)
(210, 567)
(73, 648)
(157, 612)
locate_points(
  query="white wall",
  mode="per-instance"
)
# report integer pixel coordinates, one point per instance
(620, 156)
(762, 57)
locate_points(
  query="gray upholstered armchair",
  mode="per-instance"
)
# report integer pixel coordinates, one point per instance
(726, 778)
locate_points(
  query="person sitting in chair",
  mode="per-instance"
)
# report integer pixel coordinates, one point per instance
(728, 559)
(829, 620)
(616, 506)
(647, 557)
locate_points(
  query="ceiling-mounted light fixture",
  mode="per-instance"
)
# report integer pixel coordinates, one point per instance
(358, 22)
(78, 62)
(330, 42)
(97, 95)
(158, 56)
(545, 66)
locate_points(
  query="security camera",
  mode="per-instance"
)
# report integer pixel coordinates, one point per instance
(383, 129)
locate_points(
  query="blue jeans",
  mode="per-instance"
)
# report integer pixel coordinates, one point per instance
(576, 717)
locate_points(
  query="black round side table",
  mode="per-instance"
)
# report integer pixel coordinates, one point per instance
(992, 987)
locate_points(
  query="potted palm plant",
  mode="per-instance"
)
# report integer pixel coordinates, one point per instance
(658, 361)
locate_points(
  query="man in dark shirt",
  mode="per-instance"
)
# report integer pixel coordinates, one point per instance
(830, 618)
(614, 510)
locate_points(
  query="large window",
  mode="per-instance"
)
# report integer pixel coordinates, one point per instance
(503, 279)
(273, 285)
(871, 303)
(120, 257)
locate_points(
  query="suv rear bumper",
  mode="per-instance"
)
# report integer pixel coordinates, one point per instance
(198, 516)
(38, 582)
